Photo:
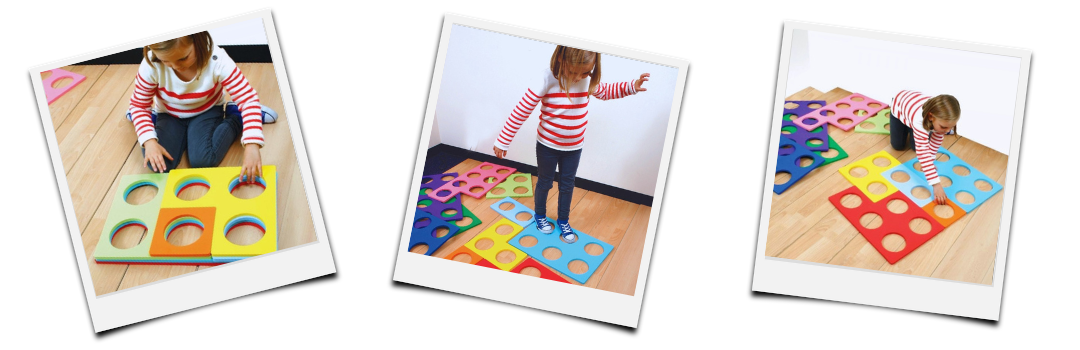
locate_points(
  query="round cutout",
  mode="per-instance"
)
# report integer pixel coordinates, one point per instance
(528, 241)
(861, 112)
(866, 125)
(965, 198)
(523, 216)
(870, 220)
(919, 225)
(810, 121)
(530, 271)
(192, 188)
(814, 105)
(843, 106)
(449, 213)
(786, 150)
(443, 193)
(900, 176)
(897, 206)
(945, 181)
(882, 162)
(893, 242)
(140, 192)
(484, 244)
(505, 257)
(790, 117)
(791, 105)
(521, 190)
(498, 191)
(520, 178)
(421, 223)
(447, 178)
(459, 183)
(594, 249)
(850, 201)
(247, 190)
(506, 206)
(440, 232)
(419, 248)
(886, 126)
(782, 177)
(983, 185)
(183, 231)
(814, 142)
(128, 234)
(502, 171)
(473, 175)
(942, 157)
(805, 162)
(873, 105)
(552, 253)
(877, 188)
(918, 166)
(787, 130)
(858, 172)
(828, 113)
(62, 82)
(465, 221)
(830, 154)
(845, 121)
(961, 170)
(425, 191)
(920, 192)
(504, 229)
(476, 189)
(463, 257)
(578, 267)
(943, 211)
(857, 98)
(423, 203)
(486, 167)
(245, 230)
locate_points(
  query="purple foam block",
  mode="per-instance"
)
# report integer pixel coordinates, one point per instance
(435, 207)
(803, 108)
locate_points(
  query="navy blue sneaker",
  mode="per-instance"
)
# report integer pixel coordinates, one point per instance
(269, 116)
(567, 234)
(543, 225)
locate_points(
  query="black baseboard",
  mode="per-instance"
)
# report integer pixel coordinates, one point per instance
(239, 54)
(442, 157)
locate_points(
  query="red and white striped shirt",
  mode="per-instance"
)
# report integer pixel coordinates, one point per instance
(158, 85)
(907, 106)
(562, 119)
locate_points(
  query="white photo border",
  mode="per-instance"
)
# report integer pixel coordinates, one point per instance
(214, 284)
(514, 288)
(823, 281)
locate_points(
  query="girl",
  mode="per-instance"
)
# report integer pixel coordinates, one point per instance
(923, 121)
(571, 80)
(184, 79)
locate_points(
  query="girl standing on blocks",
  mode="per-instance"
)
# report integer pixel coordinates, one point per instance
(179, 105)
(564, 93)
(923, 121)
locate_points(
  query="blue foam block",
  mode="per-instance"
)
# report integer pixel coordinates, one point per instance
(570, 251)
(512, 213)
(425, 233)
(959, 183)
(916, 179)
(788, 161)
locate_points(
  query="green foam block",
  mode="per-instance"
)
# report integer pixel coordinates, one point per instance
(878, 122)
(467, 214)
(123, 214)
(511, 183)
(835, 146)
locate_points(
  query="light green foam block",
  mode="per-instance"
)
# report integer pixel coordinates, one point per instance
(123, 213)
(511, 183)
(878, 121)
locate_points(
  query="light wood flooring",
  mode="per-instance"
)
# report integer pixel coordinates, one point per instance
(617, 222)
(98, 146)
(804, 226)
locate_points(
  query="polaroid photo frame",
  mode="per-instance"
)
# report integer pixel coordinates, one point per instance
(601, 305)
(208, 284)
(841, 279)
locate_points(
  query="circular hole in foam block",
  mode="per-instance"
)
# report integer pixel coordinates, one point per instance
(128, 234)
(528, 241)
(245, 230)
(919, 225)
(421, 223)
(851, 201)
(419, 248)
(893, 242)
(247, 190)
(983, 185)
(504, 229)
(961, 170)
(897, 206)
(594, 249)
(965, 198)
(870, 220)
(440, 232)
(782, 177)
(523, 216)
(900, 176)
(505, 256)
(192, 187)
(183, 231)
(140, 192)
(577, 266)
(552, 253)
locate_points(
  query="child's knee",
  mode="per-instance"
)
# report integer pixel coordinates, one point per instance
(200, 161)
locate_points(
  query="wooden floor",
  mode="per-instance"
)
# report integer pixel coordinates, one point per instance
(98, 146)
(804, 226)
(617, 222)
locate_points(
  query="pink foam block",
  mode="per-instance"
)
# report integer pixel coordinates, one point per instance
(471, 179)
(812, 120)
(54, 93)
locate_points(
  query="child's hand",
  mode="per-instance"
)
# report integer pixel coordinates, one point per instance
(637, 83)
(154, 155)
(252, 163)
(939, 194)
(499, 153)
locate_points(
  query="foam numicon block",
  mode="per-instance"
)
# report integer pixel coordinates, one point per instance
(840, 153)
(878, 124)
(124, 215)
(870, 166)
(425, 230)
(855, 108)
(473, 183)
(511, 186)
(815, 140)
(960, 183)
(491, 244)
(568, 252)
(545, 272)
(51, 93)
(449, 210)
(512, 213)
(891, 223)
(789, 160)
(803, 107)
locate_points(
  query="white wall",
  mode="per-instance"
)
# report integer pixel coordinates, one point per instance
(984, 84)
(487, 73)
(250, 32)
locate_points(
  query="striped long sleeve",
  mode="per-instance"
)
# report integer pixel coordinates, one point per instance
(139, 106)
(248, 100)
(907, 106)
(563, 114)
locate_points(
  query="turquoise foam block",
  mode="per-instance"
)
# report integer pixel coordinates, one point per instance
(512, 213)
(570, 251)
(959, 183)
(915, 179)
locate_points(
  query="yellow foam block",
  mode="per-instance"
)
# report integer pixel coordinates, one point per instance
(231, 211)
(873, 175)
(501, 244)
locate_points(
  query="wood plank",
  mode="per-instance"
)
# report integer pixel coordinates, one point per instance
(95, 109)
(62, 107)
(974, 251)
(988, 276)
(621, 275)
(611, 229)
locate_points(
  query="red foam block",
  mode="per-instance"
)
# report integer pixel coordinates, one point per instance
(545, 272)
(891, 222)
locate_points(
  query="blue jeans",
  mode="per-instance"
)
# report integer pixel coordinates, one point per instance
(900, 135)
(546, 161)
(206, 137)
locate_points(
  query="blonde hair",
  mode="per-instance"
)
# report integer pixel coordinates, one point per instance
(944, 107)
(204, 45)
(564, 57)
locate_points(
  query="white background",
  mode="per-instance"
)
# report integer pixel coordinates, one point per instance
(984, 84)
(487, 73)
(365, 70)
(248, 32)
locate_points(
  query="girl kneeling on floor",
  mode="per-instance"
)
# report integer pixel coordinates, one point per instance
(923, 121)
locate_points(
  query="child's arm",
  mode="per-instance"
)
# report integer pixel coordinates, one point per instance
(619, 90)
(926, 147)
(154, 154)
(251, 137)
(517, 117)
